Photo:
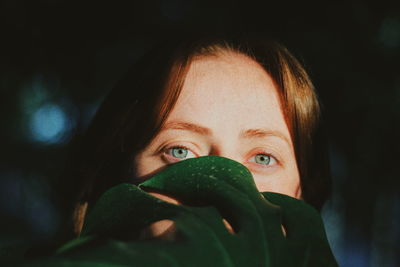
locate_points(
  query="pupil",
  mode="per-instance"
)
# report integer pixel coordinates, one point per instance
(179, 152)
(263, 159)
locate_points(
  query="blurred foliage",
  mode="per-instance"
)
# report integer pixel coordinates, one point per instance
(70, 53)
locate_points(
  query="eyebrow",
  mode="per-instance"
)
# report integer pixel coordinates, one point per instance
(247, 134)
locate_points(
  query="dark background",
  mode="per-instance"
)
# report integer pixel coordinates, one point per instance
(59, 58)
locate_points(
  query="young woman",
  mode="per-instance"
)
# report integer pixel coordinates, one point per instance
(239, 98)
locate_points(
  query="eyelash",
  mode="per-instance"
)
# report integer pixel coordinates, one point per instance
(164, 150)
(167, 148)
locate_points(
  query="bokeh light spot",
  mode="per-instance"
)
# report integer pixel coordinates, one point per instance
(49, 124)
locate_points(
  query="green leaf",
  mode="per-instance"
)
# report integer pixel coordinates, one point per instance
(217, 188)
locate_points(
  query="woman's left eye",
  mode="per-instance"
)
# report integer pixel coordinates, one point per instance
(264, 159)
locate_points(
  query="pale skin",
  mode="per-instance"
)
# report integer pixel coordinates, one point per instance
(229, 107)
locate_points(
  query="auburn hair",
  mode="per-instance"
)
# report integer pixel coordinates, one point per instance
(135, 110)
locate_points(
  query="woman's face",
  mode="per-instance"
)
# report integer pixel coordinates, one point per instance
(229, 107)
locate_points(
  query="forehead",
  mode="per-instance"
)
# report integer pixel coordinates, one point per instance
(232, 90)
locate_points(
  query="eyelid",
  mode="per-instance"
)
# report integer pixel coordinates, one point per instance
(251, 154)
(164, 150)
(268, 153)
(167, 145)
(179, 145)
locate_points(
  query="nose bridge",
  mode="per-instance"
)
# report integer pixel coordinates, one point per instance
(226, 150)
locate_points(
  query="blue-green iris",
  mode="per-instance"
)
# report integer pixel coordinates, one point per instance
(263, 159)
(179, 152)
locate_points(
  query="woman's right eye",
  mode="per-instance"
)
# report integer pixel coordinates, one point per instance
(179, 152)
